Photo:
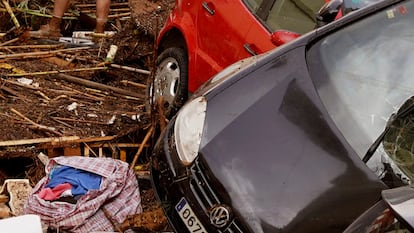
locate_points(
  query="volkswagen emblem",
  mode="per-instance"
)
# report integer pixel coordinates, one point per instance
(220, 216)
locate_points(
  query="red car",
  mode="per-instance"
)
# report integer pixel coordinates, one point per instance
(201, 37)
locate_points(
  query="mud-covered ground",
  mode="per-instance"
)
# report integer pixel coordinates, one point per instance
(43, 95)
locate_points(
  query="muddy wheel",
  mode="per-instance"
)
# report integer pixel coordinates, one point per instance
(170, 81)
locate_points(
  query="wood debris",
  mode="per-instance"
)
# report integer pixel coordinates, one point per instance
(64, 98)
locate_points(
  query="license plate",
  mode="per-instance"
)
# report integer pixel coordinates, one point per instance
(187, 215)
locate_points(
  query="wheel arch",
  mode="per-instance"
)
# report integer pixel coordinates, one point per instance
(172, 38)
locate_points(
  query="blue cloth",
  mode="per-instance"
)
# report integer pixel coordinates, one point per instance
(81, 180)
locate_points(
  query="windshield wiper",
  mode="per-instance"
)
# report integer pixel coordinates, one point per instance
(393, 117)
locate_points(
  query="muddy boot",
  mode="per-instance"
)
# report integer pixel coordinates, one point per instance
(50, 30)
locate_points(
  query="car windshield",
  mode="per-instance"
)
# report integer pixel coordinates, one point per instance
(364, 73)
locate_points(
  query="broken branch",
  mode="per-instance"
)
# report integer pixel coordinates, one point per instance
(79, 121)
(33, 46)
(119, 15)
(11, 91)
(10, 11)
(130, 69)
(36, 125)
(94, 5)
(56, 72)
(126, 82)
(37, 54)
(99, 85)
(144, 142)
(10, 41)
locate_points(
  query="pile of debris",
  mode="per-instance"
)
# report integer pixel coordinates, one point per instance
(71, 96)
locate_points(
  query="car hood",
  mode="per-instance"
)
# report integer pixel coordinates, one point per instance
(279, 156)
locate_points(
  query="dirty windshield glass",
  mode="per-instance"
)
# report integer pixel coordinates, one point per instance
(367, 73)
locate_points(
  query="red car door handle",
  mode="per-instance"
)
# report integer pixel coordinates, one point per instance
(208, 8)
(249, 49)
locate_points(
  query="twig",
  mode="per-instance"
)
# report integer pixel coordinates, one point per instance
(112, 4)
(21, 84)
(99, 85)
(10, 41)
(11, 91)
(144, 142)
(56, 72)
(45, 97)
(79, 121)
(127, 82)
(130, 69)
(33, 46)
(97, 92)
(71, 91)
(36, 54)
(10, 11)
(39, 126)
(111, 10)
(78, 58)
(119, 15)
(63, 123)
(38, 13)
(59, 97)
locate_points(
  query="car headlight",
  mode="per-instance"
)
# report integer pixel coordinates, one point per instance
(188, 129)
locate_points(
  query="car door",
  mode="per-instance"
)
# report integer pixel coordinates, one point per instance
(222, 28)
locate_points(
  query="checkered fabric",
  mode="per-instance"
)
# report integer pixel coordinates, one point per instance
(118, 195)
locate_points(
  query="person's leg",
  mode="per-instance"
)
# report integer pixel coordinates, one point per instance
(59, 9)
(52, 29)
(102, 12)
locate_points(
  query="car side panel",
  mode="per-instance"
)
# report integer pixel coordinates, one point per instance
(220, 38)
(182, 18)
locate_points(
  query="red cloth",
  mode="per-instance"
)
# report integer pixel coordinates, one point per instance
(119, 195)
(51, 194)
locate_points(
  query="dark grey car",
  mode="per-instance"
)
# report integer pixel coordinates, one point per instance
(275, 143)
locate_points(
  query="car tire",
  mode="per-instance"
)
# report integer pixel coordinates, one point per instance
(170, 81)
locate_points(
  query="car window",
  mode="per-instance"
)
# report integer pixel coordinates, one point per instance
(363, 73)
(293, 15)
(253, 4)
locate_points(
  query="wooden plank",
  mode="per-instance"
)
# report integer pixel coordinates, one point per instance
(96, 139)
(72, 151)
(38, 140)
(86, 151)
(77, 140)
(122, 155)
(120, 145)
